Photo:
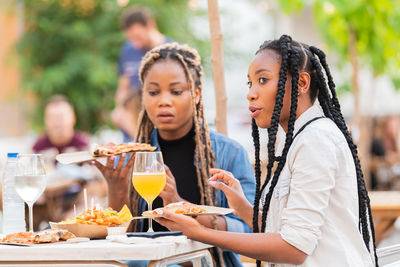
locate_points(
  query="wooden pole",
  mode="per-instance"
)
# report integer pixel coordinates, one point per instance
(362, 123)
(217, 62)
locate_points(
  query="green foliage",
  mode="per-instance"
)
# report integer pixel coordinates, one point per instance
(290, 6)
(71, 47)
(376, 24)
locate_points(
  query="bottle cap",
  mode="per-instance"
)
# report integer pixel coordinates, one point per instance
(12, 155)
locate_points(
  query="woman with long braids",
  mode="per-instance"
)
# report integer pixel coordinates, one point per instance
(313, 208)
(172, 119)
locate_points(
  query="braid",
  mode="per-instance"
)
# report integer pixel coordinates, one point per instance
(210, 157)
(256, 140)
(322, 57)
(204, 156)
(323, 95)
(273, 130)
(294, 56)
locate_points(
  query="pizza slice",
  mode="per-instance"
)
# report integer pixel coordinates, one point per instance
(45, 236)
(21, 237)
(182, 207)
(112, 149)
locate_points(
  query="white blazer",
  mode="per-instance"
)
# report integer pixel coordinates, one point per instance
(314, 206)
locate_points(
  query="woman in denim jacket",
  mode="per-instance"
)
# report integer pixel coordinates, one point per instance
(172, 119)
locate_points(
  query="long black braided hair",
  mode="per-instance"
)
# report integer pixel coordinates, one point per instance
(297, 57)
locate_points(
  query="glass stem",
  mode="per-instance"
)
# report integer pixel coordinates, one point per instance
(149, 204)
(30, 206)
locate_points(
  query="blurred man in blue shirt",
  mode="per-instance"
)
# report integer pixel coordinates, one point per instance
(141, 35)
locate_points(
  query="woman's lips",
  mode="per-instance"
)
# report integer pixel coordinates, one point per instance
(165, 117)
(254, 111)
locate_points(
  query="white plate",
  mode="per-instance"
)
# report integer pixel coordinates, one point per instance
(210, 210)
(75, 157)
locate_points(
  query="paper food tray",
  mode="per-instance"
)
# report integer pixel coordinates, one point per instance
(210, 210)
(85, 230)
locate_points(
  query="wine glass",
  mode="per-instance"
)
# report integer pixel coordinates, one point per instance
(148, 177)
(30, 180)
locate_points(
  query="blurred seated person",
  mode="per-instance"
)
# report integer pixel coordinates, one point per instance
(60, 135)
(385, 153)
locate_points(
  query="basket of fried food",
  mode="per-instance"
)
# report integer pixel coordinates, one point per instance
(93, 223)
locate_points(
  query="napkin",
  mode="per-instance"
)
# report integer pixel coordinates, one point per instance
(145, 240)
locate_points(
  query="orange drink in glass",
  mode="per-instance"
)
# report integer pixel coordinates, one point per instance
(149, 185)
(148, 177)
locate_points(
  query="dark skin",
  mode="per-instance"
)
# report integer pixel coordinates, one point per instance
(263, 75)
(117, 179)
(168, 103)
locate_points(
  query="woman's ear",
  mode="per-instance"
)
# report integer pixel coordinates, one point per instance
(304, 82)
(197, 94)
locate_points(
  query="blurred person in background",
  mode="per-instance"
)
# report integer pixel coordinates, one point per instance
(385, 153)
(141, 35)
(60, 135)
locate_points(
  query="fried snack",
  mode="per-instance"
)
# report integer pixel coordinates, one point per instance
(106, 217)
(182, 207)
(112, 149)
(125, 213)
(52, 235)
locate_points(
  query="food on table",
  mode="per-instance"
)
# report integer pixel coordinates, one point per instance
(45, 236)
(52, 235)
(112, 149)
(125, 214)
(182, 207)
(107, 217)
(21, 237)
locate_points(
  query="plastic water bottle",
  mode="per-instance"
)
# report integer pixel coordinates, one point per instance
(13, 205)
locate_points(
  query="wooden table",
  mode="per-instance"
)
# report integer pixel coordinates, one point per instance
(105, 252)
(54, 192)
(50, 207)
(385, 206)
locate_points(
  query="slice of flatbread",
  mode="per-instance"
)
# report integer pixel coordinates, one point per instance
(112, 149)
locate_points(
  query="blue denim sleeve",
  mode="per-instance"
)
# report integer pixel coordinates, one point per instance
(236, 161)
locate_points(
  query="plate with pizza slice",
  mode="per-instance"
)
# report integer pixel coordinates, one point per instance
(29, 238)
(100, 151)
(185, 208)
